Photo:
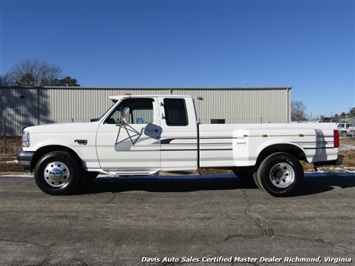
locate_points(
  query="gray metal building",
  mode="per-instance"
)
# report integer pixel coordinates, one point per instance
(22, 107)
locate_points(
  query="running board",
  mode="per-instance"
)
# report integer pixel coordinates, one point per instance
(130, 172)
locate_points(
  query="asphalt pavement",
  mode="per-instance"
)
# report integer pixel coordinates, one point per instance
(178, 220)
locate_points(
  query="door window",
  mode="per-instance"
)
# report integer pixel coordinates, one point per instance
(141, 111)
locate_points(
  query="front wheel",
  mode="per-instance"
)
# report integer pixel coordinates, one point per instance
(280, 174)
(57, 173)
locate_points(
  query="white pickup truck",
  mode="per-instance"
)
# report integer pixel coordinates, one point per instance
(346, 129)
(143, 135)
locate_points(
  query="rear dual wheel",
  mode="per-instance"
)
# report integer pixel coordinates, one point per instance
(245, 174)
(280, 174)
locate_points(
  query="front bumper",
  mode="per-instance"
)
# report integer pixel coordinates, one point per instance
(338, 161)
(24, 158)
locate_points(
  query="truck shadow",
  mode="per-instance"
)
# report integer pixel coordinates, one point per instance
(166, 183)
(314, 183)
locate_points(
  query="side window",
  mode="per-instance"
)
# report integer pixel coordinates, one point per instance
(175, 112)
(141, 111)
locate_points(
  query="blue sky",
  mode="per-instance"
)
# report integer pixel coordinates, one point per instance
(308, 45)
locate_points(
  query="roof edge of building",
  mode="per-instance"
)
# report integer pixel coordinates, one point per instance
(152, 88)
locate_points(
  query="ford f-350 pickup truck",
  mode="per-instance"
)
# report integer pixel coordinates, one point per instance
(143, 135)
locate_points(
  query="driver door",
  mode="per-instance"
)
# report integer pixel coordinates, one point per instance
(132, 147)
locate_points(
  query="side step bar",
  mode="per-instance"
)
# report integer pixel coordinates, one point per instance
(130, 172)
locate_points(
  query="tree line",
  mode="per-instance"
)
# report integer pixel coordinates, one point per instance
(298, 113)
(36, 73)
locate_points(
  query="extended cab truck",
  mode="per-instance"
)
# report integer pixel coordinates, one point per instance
(142, 135)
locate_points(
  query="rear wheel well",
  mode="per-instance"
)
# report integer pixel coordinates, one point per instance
(44, 150)
(287, 148)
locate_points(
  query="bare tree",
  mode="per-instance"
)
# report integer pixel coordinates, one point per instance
(298, 111)
(5, 81)
(33, 73)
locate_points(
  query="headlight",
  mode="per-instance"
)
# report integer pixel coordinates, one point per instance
(25, 139)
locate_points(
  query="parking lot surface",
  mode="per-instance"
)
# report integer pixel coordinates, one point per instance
(179, 220)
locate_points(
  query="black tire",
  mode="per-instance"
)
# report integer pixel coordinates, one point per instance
(280, 174)
(57, 173)
(255, 178)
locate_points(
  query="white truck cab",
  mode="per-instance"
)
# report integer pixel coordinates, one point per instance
(346, 129)
(146, 134)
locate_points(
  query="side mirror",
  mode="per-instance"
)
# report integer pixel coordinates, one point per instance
(125, 115)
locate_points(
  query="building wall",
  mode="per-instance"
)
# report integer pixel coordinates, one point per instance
(32, 106)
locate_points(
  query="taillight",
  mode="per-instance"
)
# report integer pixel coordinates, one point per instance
(336, 138)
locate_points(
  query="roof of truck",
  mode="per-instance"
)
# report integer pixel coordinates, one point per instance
(119, 97)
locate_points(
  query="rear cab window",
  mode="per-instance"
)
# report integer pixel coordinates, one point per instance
(175, 112)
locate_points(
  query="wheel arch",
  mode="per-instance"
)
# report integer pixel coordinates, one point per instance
(292, 149)
(46, 149)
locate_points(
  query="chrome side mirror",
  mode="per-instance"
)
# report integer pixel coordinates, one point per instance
(125, 115)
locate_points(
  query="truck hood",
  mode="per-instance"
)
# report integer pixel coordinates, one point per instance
(88, 127)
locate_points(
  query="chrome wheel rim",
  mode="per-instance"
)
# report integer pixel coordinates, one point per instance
(282, 175)
(57, 174)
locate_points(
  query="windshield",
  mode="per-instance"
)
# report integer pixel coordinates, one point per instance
(109, 109)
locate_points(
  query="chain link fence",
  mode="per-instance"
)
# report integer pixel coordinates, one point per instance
(9, 145)
(3, 135)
